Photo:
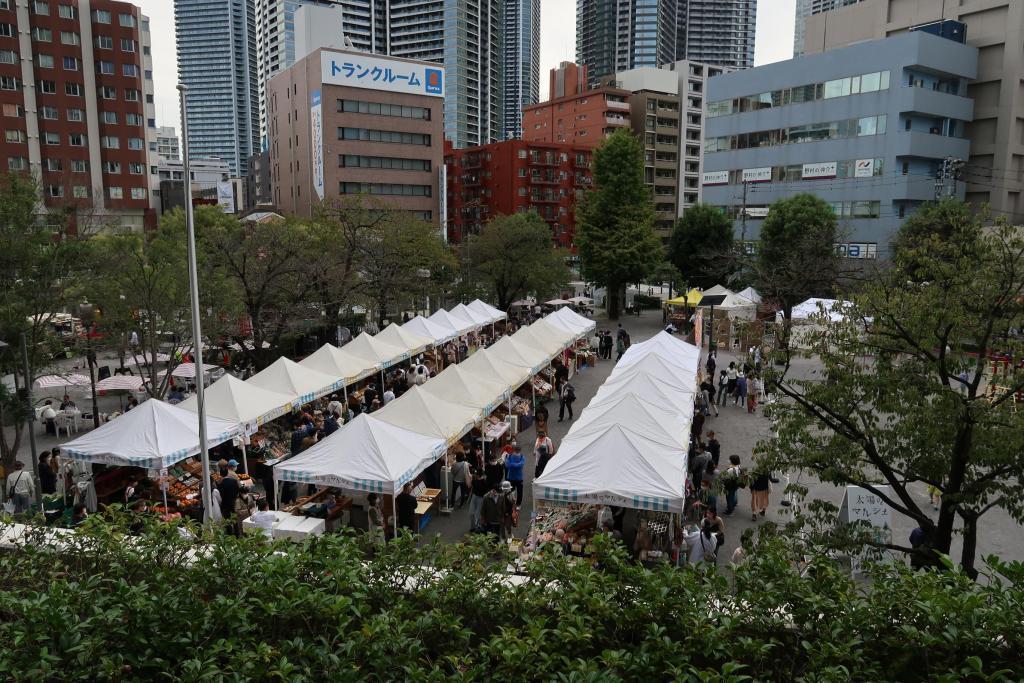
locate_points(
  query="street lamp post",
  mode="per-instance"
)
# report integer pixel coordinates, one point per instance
(193, 286)
(86, 314)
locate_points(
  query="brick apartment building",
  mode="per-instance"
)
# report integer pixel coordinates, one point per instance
(516, 176)
(76, 104)
(574, 114)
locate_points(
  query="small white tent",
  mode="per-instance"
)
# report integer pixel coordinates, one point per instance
(247, 405)
(466, 313)
(153, 435)
(454, 323)
(297, 381)
(515, 352)
(549, 340)
(365, 455)
(476, 390)
(573, 321)
(495, 314)
(616, 466)
(751, 295)
(398, 336)
(490, 364)
(331, 360)
(375, 350)
(426, 414)
(428, 328)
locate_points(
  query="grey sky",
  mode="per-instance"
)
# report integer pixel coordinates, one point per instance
(557, 43)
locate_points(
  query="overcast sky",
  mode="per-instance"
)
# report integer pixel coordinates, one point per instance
(557, 43)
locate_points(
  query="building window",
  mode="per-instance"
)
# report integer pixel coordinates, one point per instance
(101, 16)
(106, 68)
(41, 7)
(5, 4)
(112, 167)
(17, 163)
(115, 192)
(54, 165)
(388, 136)
(69, 38)
(8, 57)
(48, 87)
(394, 163)
(132, 119)
(67, 12)
(395, 189)
(75, 115)
(6, 30)
(14, 111)
(138, 193)
(79, 166)
(73, 89)
(51, 139)
(108, 93)
(105, 42)
(136, 169)
(77, 140)
(135, 143)
(131, 95)
(43, 35)
(8, 83)
(71, 63)
(110, 142)
(45, 61)
(130, 70)
(55, 191)
(382, 109)
(109, 117)
(127, 45)
(14, 136)
(80, 192)
(126, 20)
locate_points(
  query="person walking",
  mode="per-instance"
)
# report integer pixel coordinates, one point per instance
(515, 463)
(731, 374)
(478, 489)
(723, 388)
(707, 390)
(753, 387)
(405, 505)
(460, 478)
(733, 479)
(490, 512)
(509, 511)
(759, 489)
(47, 475)
(566, 397)
(620, 347)
(20, 488)
(741, 390)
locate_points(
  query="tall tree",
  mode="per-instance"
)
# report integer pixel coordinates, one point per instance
(701, 246)
(916, 399)
(616, 239)
(515, 257)
(947, 224)
(797, 257)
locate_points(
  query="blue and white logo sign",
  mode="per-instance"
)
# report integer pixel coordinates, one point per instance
(359, 70)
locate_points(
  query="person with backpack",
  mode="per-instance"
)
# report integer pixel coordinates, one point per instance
(566, 397)
(733, 479)
(707, 390)
(702, 546)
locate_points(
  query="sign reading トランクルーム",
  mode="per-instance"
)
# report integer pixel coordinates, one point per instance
(360, 70)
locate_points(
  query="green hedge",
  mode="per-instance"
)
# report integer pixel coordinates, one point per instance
(647, 302)
(159, 609)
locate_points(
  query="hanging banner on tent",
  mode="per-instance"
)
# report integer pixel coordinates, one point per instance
(226, 196)
(316, 118)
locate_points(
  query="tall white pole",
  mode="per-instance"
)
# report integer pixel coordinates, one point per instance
(193, 286)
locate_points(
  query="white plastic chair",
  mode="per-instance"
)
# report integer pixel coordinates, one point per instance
(61, 422)
(71, 420)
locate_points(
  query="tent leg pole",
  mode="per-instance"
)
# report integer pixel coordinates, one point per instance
(245, 459)
(394, 517)
(277, 494)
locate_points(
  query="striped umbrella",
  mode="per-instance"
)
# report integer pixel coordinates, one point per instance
(61, 381)
(144, 358)
(187, 370)
(122, 382)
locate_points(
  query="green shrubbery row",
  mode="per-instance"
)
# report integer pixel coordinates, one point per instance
(160, 607)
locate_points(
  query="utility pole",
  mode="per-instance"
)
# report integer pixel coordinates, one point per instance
(31, 421)
(743, 219)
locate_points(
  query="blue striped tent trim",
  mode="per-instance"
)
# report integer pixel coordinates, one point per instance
(651, 503)
(561, 495)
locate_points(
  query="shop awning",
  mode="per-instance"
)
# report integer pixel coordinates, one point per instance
(375, 351)
(366, 454)
(412, 342)
(615, 466)
(477, 390)
(302, 384)
(237, 402)
(152, 435)
(428, 328)
(330, 360)
(424, 413)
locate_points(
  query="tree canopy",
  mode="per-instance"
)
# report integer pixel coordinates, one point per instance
(514, 256)
(701, 246)
(615, 238)
(916, 392)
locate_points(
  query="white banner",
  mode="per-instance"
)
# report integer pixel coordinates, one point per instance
(757, 175)
(824, 169)
(316, 119)
(715, 178)
(361, 70)
(865, 168)
(226, 196)
(442, 200)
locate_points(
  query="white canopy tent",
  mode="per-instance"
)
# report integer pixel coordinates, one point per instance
(428, 328)
(572, 321)
(557, 302)
(543, 339)
(477, 390)
(835, 309)
(495, 314)
(453, 323)
(581, 301)
(302, 384)
(424, 413)
(121, 383)
(615, 466)
(367, 454)
(676, 351)
(656, 366)
(717, 289)
(331, 360)
(465, 312)
(552, 330)
(649, 387)
(375, 351)
(656, 422)
(247, 405)
(412, 342)
(153, 435)
(490, 364)
(750, 294)
(188, 370)
(516, 352)
(61, 381)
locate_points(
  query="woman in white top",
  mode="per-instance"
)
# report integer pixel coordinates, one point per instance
(702, 546)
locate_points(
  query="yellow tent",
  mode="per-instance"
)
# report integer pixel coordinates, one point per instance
(692, 298)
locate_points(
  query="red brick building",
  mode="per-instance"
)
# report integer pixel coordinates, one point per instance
(574, 114)
(73, 85)
(516, 176)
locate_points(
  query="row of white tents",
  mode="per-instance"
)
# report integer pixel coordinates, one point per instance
(629, 447)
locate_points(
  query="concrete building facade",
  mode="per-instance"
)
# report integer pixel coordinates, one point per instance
(617, 35)
(866, 128)
(807, 8)
(521, 61)
(73, 96)
(515, 176)
(719, 32)
(575, 113)
(995, 168)
(217, 61)
(165, 144)
(346, 123)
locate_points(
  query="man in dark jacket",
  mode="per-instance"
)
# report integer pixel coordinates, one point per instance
(228, 488)
(405, 505)
(491, 514)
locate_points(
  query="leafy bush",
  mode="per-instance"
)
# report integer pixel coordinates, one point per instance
(160, 607)
(646, 302)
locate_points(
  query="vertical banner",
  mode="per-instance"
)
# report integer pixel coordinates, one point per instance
(442, 200)
(226, 196)
(317, 120)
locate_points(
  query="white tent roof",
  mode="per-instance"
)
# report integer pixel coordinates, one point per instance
(375, 351)
(366, 454)
(477, 390)
(648, 387)
(615, 466)
(489, 364)
(656, 422)
(658, 367)
(663, 344)
(572, 321)
(331, 360)
(483, 307)
(813, 307)
(717, 289)
(427, 414)
(557, 302)
(467, 313)
(299, 382)
(188, 370)
(516, 352)
(547, 339)
(248, 405)
(153, 435)
(428, 328)
(454, 323)
(751, 294)
(552, 330)
(412, 342)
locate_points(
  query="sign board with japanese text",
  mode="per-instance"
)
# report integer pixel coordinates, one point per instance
(865, 168)
(316, 119)
(226, 196)
(825, 169)
(361, 70)
(757, 175)
(863, 505)
(715, 178)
